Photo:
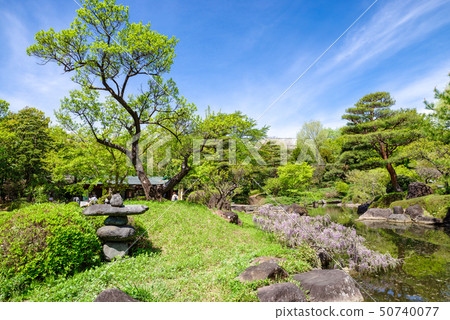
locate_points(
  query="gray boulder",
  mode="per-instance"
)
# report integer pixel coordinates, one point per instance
(398, 210)
(108, 210)
(427, 220)
(329, 286)
(114, 295)
(114, 249)
(84, 204)
(116, 200)
(414, 211)
(399, 218)
(262, 271)
(116, 233)
(418, 189)
(297, 209)
(281, 292)
(116, 221)
(376, 214)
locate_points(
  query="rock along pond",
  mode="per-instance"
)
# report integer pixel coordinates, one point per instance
(425, 252)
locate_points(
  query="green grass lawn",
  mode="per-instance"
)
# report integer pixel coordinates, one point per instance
(188, 254)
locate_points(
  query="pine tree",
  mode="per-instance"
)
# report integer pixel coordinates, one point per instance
(373, 123)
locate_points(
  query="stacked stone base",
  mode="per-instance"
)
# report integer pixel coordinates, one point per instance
(115, 235)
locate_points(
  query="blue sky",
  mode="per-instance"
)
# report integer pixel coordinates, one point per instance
(241, 55)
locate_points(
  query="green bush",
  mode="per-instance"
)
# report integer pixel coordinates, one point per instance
(341, 187)
(18, 204)
(386, 200)
(47, 240)
(403, 182)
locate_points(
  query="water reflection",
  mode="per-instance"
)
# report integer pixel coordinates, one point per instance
(424, 250)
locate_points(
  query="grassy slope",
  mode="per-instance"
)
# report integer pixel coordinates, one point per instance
(195, 256)
(436, 205)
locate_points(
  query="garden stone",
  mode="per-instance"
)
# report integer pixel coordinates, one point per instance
(295, 208)
(116, 221)
(363, 207)
(376, 214)
(263, 271)
(322, 201)
(329, 286)
(114, 295)
(116, 200)
(116, 233)
(108, 210)
(401, 218)
(414, 211)
(281, 292)
(324, 257)
(418, 189)
(447, 217)
(229, 216)
(114, 249)
(84, 204)
(397, 210)
(427, 220)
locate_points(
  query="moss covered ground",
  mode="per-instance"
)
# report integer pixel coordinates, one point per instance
(435, 205)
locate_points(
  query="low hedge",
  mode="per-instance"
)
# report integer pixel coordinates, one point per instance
(47, 240)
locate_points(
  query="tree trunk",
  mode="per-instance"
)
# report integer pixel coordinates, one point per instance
(145, 181)
(393, 175)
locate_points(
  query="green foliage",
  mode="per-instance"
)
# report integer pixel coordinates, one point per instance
(366, 185)
(373, 126)
(434, 204)
(386, 200)
(403, 182)
(47, 240)
(295, 176)
(433, 154)
(439, 120)
(4, 109)
(341, 187)
(24, 140)
(273, 186)
(98, 64)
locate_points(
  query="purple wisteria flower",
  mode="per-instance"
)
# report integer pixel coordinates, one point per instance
(340, 242)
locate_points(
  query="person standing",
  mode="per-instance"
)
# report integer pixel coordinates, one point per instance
(174, 196)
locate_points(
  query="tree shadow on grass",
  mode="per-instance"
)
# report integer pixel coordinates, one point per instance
(142, 244)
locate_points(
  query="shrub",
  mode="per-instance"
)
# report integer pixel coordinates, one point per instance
(386, 200)
(403, 182)
(341, 187)
(199, 197)
(47, 240)
(273, 186)
(18, 204)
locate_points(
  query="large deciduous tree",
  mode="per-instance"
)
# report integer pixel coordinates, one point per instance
(373, 123)
(24, 142)
(108, 54)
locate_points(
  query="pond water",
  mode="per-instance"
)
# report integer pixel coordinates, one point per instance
(425, 252)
